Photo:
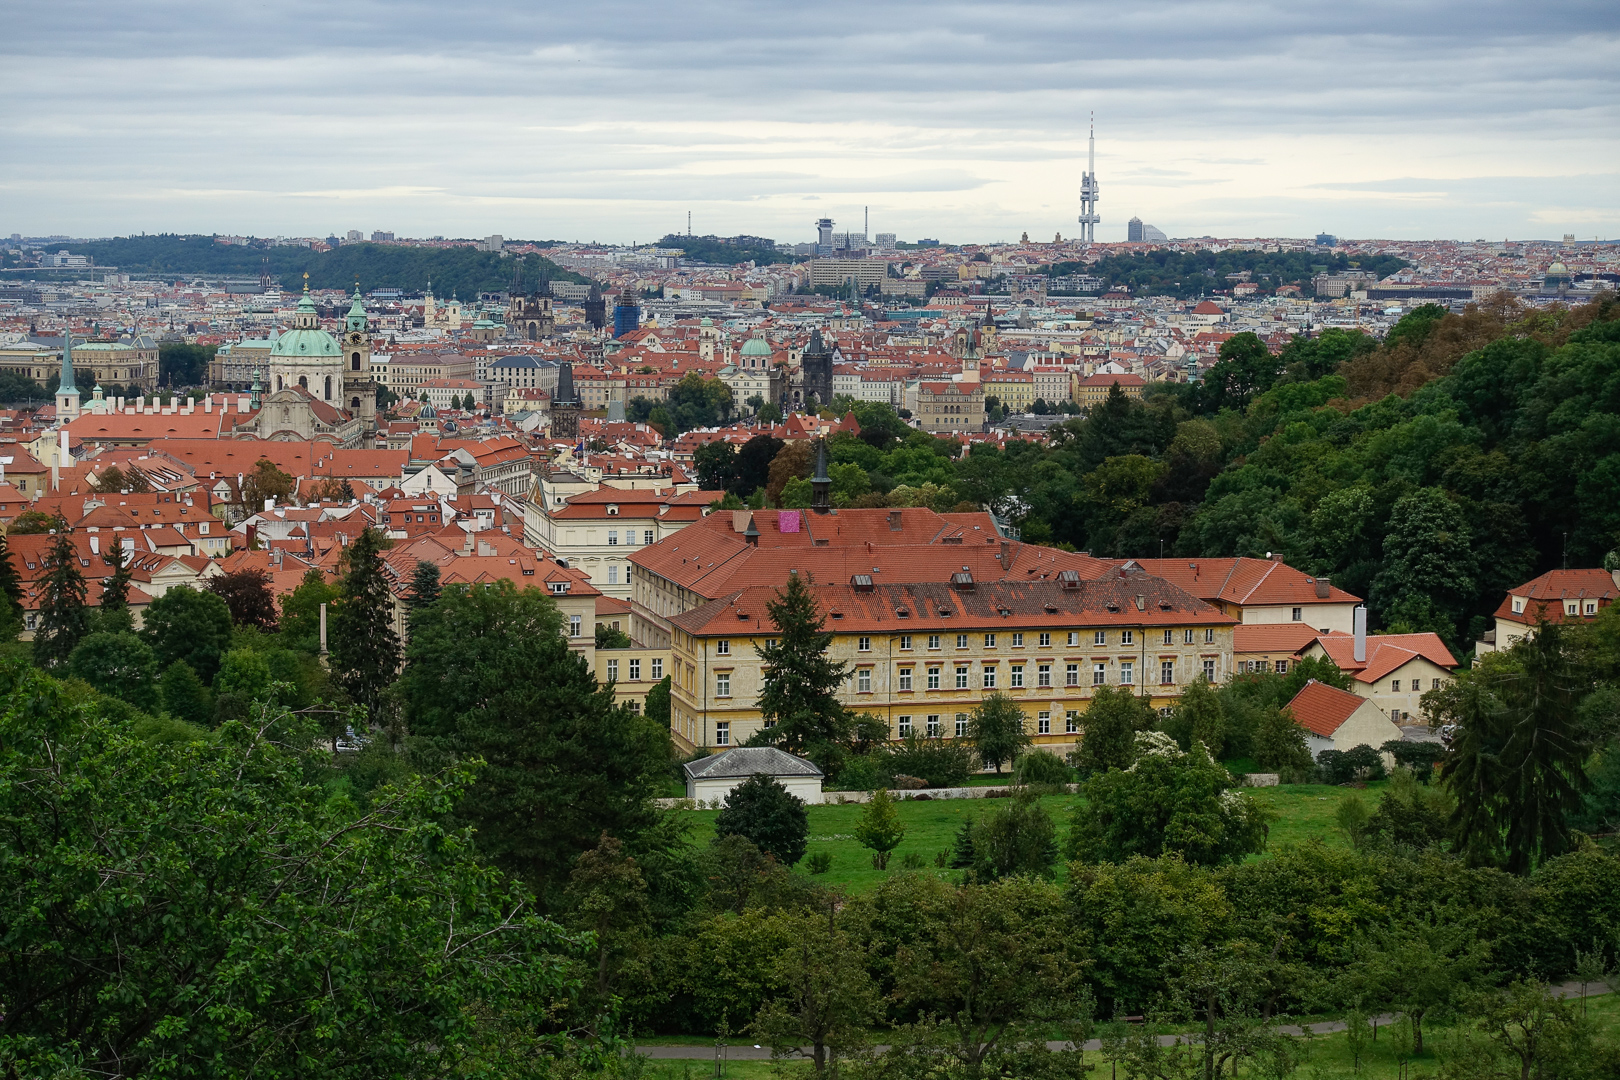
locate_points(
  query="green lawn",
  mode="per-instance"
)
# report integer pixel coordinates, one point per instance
(1304, 811)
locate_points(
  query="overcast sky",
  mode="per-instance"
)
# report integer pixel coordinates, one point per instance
(612, 119)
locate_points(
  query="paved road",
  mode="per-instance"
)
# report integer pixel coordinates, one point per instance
(1327, 1027)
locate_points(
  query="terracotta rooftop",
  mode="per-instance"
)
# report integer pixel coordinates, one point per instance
(1545, 596)
(1321, 709)
(1246, 582)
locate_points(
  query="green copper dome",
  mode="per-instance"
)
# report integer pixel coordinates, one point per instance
(301, 342)
(756, 347)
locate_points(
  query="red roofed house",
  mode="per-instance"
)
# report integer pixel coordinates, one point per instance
(1261, 591)
(1336, 719)
(1556, 596)
(1093, 390)
(1394, 671)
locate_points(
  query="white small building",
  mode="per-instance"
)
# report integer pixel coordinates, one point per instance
(713, 777)
(1336, 719)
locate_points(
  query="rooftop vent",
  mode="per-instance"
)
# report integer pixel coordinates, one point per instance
(1164, 605)
(902, 613)
(1112, 606)
(1141, 602)
(944, 612)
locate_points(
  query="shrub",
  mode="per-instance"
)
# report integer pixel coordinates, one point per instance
(911, 861)
(880, 828)
(761, 810)
(940, 762)
(1345, 766)
(867, 772)
(1015, 840)
(819, 863)
(1420, 757)
(1042, 768)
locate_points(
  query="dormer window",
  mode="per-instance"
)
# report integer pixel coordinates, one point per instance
(613, 511)
(1518, 605)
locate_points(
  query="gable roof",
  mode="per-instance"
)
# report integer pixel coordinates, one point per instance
(1546, 594)
(1385, 653)
(1322, 709)
(1245, 582)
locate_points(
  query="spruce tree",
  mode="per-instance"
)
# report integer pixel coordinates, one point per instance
(115, 589)
(424, 588)
(11, 587)
(799, 699)
(64, 619)
(365, 649)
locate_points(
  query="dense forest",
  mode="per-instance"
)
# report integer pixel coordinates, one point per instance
(462, 271)
(1428, 473)
(1189, 274)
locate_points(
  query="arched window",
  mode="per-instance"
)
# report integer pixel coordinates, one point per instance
(354, 362)
(303, 382)
(354, 404)
(328, 394)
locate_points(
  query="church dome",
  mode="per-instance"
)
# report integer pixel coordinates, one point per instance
(756, 346)
(301, 342)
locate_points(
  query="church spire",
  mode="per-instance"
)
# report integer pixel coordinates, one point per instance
(67, 358)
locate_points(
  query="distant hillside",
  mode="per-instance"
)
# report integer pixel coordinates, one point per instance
(461, 270)
(725, 250)
(1186, 274)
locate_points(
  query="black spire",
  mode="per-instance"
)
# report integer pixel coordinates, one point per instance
(821, 483)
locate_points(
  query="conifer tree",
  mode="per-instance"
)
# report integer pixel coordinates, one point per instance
(800, 693)
(10, 584)
(365, 649)
(115, 589)
(64, 619)
(424, 586)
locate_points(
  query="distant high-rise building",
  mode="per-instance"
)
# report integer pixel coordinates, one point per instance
(885, 241)
(1324, 239)
(1139, 232)
(1150, 235)
(354, 235)
(494, 242)
(626, 315)
(1089, 218)
(378, 234)
(1133, 230)
(824, 236)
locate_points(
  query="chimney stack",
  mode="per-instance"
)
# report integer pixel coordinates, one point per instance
(1361, 634)
(1322, 586)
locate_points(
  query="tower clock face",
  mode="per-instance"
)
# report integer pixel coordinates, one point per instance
(354, 337)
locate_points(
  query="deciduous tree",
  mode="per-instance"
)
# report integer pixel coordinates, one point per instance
(184, 624)
(996, 726)
(762, 810)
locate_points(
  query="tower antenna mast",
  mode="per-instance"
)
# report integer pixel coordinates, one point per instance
(1088, 189)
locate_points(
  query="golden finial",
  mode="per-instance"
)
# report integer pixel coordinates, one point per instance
(306, 281)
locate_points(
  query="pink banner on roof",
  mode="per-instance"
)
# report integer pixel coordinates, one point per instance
(787, 521)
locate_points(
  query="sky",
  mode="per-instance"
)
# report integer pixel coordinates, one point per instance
(967, 123)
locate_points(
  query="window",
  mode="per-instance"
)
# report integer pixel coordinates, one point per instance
(905, 727)
(1127, 673)
(613, 670)
(863, 644)
(989, 641)
(1591, 605)
(1046, 640)
(1169, 637)
(933, 678)
(1127, 637)
(634, 707)
(932, 728)
(574, 625)
(961, 677)
(1186, 636)
(1100, 637)
(989, 677)
(933, 641)
(1018, 639)
(905, 678)
(613, 574)
(1394, 686)
(863, 681)
(1167, 672)
(905, 642)
(961, 725)
(657, 668)
(1282, 667)
(1434, 684)
(1298, 614)
(961, 641)
(1518, 605)
(1016, 679)
(646, 536)
(1043, 675)
(722, 734)
(1099, 674)
(635, 670)
(1209, 635)
(722, 647)
(722, 684)
(1071, 722)
(613, 538)
(1569, 608)
(1209, 671)
(1074, 638)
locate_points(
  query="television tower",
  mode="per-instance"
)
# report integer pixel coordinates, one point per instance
(1088, 190)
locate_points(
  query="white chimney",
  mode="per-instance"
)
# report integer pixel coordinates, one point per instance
(269, 505)
(1361, 635)
(208, 403)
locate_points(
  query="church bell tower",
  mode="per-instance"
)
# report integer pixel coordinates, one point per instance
(359, 385)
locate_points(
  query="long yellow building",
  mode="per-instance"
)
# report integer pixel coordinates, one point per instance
(922, 656)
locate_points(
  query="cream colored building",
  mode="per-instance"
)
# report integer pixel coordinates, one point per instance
(921, 657)
(633, 673)
(1336, 719)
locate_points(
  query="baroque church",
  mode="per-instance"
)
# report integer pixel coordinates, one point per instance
(318, 385)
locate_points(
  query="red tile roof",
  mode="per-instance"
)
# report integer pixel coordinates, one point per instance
(1322, 709)
(1546, 594)
(1272, 637)
(1385, 653)
(1245, 582)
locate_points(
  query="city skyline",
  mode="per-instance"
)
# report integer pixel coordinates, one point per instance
(1462, 121)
